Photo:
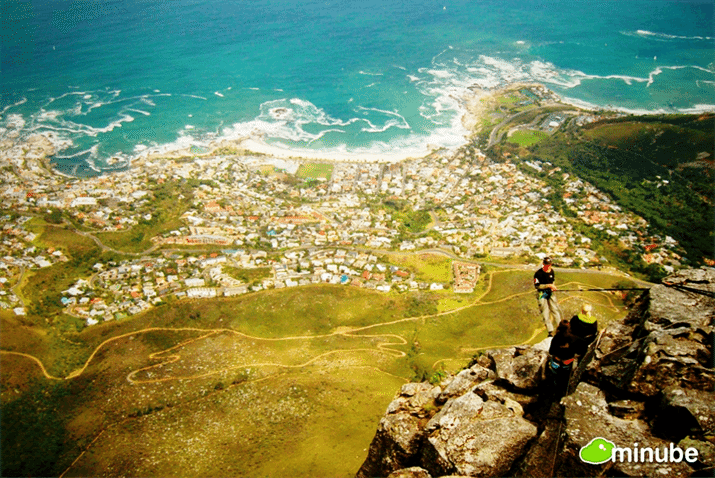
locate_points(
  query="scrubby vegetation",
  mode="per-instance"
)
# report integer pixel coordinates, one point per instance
(659, 167)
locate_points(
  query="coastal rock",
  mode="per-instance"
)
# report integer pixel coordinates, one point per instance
(39, 147)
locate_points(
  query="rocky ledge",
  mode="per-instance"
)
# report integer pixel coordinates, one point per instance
(647, 382)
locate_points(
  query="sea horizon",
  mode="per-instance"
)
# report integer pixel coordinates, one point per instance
(112, 82)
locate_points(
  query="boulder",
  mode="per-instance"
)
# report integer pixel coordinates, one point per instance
(522, 368)
(647, 384)
(706, 452)
(685, 412)
(587, 418)
(412, 472)
(680, 356)
(465, 381)
(473, 437)
(491, 391)
(399, 435)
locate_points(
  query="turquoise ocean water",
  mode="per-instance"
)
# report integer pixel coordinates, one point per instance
(115, 79)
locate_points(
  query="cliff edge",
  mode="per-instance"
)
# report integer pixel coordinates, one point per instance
(647, 382)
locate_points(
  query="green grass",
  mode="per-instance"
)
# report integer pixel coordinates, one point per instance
(527, 138)
(166, 210)
(311, 171)
(426, 267)
(248, 275)
(274, 383)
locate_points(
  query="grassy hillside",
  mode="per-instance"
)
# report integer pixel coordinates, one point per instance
(659, 167)
(262, 385)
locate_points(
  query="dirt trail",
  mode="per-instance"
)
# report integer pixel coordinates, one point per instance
(387, 347)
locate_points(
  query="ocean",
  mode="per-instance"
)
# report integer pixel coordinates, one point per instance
(113, 80)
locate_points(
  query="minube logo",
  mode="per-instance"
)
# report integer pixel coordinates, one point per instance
(599, 450)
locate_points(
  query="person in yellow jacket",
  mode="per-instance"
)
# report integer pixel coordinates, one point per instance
(585, 327)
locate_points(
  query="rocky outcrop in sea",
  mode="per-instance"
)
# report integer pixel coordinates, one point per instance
(646, 383)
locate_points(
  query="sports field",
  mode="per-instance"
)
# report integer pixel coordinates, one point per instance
(313, 171)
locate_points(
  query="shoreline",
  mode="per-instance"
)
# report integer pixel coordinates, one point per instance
(469, 116)
(475, 103)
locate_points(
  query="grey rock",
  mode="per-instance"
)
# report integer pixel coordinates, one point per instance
(686, 412)
(464, 408)
(485, 445)
(521, 367)
(540, 458)
(628, 409)
(491, 391)
(475, 423)
(586, 417)
(670, 306)
(412, 472)
(465, 381)
(646, 353)
(706, 451)
(398, 438)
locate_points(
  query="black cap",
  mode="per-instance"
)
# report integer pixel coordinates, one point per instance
(547, 260)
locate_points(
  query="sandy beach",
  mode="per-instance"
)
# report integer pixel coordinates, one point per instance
(474, 105)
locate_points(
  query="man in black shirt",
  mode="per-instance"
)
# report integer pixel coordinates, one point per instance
(548, 305)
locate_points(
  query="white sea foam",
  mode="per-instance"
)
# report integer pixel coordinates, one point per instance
(398, 121)
(17, 103)
(148, 101)
(439, 73)
(665, 36)
(697, 109)
(92, 152)
(289, 126)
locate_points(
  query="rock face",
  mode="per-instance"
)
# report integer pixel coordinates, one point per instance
(648, 382)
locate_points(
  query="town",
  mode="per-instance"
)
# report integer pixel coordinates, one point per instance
(292, 222)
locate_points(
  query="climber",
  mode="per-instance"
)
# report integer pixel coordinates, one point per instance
(585, 327)
(561, 351)
(548, 305)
